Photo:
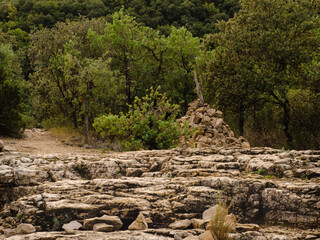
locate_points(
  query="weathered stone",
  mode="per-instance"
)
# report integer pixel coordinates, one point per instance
(1, 145)
(182, 224)
(247, 227)
(25, 228)
(21, 229)
(9, 232)
(209, 213)
(133, 172)
(71, 226)
(211, 112)
(110, 220)
(191, 237)
(218, 114)
(206, 120)
(139, 224)
(102, 227)
(198, 223)
(206, 236)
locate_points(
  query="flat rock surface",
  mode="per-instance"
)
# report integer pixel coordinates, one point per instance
(278, 190)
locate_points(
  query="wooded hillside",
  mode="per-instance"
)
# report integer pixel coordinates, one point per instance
(70, 63)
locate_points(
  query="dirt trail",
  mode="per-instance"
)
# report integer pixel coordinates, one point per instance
(39, 141)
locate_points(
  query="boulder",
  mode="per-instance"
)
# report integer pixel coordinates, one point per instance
(139, 224)
(110, 220)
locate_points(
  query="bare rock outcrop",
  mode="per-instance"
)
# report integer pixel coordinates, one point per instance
(278, 190)
(210, 128)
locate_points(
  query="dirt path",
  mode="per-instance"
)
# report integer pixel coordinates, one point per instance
(38, 141)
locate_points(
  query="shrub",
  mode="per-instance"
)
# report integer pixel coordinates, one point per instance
(149, 124)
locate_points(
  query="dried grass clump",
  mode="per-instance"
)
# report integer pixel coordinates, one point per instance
(221, 223)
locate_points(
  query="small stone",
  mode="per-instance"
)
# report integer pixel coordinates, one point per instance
(211, 112)
(218, 114)
(311, 237)
(182, 224)
(191, 237)
(208, 214)
(206, 236)
(25, 228)
(245, 145)
(22, 229)
(102, 227)
(9, 232)
(133, 172)
(1, 145)
(71, 226)
(198, 223)
(139, 224)
(206, 120)
(218, 123)
(110, 220)
(201, 110)
(247, 227)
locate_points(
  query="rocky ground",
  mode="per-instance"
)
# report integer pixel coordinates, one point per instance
(275, 194)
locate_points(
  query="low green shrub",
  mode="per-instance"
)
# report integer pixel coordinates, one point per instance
(149, 124)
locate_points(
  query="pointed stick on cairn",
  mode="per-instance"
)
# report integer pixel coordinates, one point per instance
(200, 96)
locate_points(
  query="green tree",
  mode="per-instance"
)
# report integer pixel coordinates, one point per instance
(259, 55)
(11, 93)
(147, 59)
(67, 70)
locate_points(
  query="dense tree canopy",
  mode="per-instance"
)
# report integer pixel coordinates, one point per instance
(197, 16)
(11, 92)
(70, 62)
(261, 55)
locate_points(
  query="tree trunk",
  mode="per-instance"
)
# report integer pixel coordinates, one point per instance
(86, 116)
(127, 76)
(241, 119)
(74, 118)
(200, 96)
(286, 122)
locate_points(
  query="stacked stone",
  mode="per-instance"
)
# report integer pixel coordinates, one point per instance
(211, 130)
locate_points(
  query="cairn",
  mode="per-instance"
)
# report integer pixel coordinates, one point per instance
(211, 130)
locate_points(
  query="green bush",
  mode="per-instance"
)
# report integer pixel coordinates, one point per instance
(149, 124)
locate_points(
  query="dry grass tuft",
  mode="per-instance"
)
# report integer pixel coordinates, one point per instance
(221, 224)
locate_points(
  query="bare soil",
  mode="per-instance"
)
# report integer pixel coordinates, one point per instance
(39, 141)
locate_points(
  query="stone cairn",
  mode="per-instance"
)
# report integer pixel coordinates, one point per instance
(210, 129)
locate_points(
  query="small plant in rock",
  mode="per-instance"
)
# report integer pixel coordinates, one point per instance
(221, 224)
(83, 171)
(20, 216)
(261, 171)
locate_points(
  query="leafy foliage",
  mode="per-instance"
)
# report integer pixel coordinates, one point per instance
(259, 56)
(149, 124)
(11, 93)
